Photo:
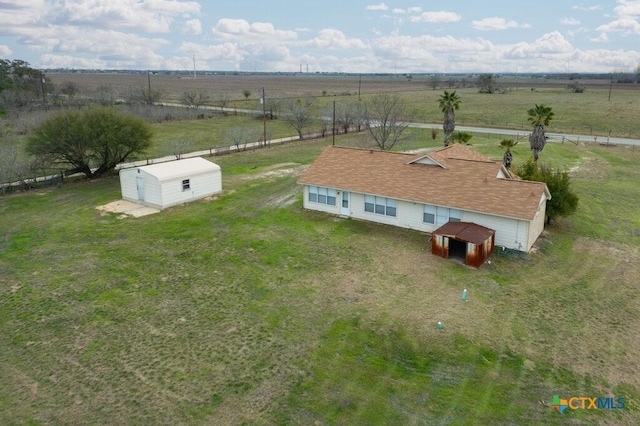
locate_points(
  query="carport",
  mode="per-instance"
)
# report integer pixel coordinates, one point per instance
(468, 241)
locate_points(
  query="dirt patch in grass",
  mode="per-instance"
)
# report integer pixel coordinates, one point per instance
(591, 168)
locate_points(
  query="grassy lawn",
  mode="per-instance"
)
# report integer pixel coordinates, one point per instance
(247, 309)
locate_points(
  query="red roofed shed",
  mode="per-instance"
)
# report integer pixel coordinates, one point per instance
(469, 241)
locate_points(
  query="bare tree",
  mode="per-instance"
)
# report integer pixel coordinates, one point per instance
(179, 147)
(104, 95)
(194, 99)
(149, 96)
(221, 101)
(345, 116)
(240, 137)
(299, 114)
(273, 107)
(385, 119)
(434, 82)
(70, 90)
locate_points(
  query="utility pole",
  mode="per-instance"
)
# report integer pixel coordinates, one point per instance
(194, 66)
(44, 91)
(359, 86)
(333, 126)
(610, 86)
(264, 117)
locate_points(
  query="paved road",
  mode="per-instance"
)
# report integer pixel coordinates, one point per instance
(507, 132)
(525, 133)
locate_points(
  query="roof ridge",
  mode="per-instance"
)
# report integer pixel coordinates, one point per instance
(381, 151)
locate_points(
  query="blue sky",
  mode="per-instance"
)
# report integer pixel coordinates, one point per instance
(324, 36)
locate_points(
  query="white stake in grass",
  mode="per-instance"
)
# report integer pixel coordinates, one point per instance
(464, 295)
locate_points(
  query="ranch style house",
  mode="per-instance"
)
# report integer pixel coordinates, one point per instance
(426, 191)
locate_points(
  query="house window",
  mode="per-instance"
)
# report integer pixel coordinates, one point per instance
(186, 185)
(429, 215)
(380, 205)
(440, 215)
(320, 195)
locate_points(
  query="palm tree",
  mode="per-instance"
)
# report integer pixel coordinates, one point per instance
(539, 116)
(449, 102)
(508, 156)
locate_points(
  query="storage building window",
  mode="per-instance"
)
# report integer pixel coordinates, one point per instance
(321, 195)
(186, 185)
(380, 205)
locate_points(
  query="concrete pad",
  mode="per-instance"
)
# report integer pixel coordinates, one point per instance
(128, 208)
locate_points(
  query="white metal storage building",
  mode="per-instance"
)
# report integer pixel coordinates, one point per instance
(168, 184)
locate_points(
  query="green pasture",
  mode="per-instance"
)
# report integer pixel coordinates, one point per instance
(246, 309)
(589, 113)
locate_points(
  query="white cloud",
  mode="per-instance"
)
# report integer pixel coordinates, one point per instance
(550, 44)
(334, 39)
(496, 23)
(587, 8)
(628, 13)
(380, 6)
(242, 31)
(630, 8)
(399, 11)
(602, 38)
(217, 52)
(436, 17)
(192, 27)
(145, 15)
(68, 61)
(5, 51)
(570, 21)
(414, 9)
(625, 25)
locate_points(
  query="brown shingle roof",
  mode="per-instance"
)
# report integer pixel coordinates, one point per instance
(467, 181)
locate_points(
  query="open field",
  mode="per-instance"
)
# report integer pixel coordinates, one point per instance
(590, 112)
(247, 309)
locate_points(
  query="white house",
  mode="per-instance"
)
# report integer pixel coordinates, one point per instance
(424, 192)
(168, 184)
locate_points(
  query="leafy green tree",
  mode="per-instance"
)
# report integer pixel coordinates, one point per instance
(461, 137)
(563, 200)
(507, 158)
(487, 84)
(449, 102)
(539, 116)
(20, 84)
(92, 142)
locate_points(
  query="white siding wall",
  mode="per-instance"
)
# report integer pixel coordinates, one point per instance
(152, 190)
(510, 233)
(128, 185)
(200, 186)
(537, 224)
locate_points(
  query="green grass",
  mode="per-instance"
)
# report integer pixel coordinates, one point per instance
(247, 310)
